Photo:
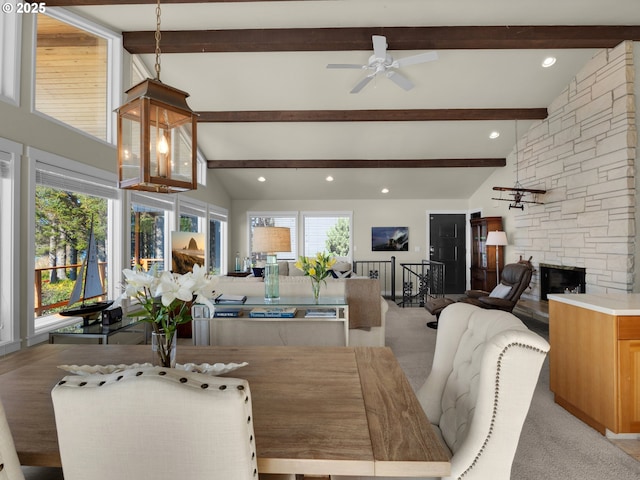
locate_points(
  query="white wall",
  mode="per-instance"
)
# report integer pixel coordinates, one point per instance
(366, 214)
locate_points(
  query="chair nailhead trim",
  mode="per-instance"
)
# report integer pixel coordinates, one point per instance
(1, 467)
(222, 387)
(496, 401)
(183, 380)
(204, 386)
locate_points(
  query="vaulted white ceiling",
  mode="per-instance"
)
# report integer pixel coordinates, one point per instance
(274, 81)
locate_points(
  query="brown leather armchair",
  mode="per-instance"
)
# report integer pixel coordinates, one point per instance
(514, 280)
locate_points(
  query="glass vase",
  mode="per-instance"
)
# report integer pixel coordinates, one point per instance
(315, 287)
(163, 350)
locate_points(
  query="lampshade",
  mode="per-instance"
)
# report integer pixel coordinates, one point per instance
(497, 238)
(271, 239)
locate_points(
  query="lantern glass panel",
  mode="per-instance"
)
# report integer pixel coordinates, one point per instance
(130, 147)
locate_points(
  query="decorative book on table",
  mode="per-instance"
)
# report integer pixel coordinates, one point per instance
(277, 312)
(227, 312)
(320, 313)
(226, 298)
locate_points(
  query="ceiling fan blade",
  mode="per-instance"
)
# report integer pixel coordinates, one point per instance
(346, 65)
(399, 80)
(412, 60)
(379, 47)
(362, 83)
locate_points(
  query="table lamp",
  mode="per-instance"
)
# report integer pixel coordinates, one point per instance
(271, 240)
(498, 239)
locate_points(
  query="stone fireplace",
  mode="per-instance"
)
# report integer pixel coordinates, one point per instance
(561, 279)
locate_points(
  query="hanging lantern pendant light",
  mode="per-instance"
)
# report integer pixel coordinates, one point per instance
(157, 135)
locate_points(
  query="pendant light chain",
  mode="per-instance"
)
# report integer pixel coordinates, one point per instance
(158, 36)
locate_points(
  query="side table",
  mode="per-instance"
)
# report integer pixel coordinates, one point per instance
(76, 332)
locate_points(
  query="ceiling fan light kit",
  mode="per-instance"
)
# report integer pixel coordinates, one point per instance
(382, 63)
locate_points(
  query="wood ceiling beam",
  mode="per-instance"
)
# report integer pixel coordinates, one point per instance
(398, 38)
(412, 115)
(359, 163)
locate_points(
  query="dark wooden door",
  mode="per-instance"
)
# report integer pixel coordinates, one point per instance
(447, 245)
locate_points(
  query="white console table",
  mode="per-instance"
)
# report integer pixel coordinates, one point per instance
(298, 330)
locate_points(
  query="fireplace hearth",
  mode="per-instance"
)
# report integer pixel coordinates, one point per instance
(561, 279)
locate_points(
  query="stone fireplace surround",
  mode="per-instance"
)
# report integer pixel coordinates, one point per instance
(584, 154)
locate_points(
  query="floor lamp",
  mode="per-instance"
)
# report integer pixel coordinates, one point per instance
(271, 240)
(497, 239)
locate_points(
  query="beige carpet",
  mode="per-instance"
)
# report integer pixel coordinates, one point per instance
(553, 445)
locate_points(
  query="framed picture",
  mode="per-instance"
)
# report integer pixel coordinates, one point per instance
(187, 249)
(392, 239)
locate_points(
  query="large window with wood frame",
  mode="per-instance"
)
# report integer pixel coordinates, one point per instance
(74, 81)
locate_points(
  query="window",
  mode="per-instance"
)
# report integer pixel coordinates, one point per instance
(9, 246)
(69, 200)
(217, 244)
(192, 216)
(149, 231)
(75, 70)
(280, 219)
(10, 51)
(327, 232)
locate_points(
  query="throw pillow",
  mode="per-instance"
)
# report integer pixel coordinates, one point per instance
(339, 274)
(294, 271)
(501, 291)
(258, 272)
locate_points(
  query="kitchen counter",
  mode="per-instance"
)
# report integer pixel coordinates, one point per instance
(594, 361)
(619, 304)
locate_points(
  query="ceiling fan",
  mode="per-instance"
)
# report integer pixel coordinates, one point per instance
(381, 63)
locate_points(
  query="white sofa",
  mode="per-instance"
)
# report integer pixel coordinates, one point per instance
(367, 314)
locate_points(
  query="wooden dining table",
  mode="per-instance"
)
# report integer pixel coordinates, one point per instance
(316, 410)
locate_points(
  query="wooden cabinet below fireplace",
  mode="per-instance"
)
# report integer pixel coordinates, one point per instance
(594, 361)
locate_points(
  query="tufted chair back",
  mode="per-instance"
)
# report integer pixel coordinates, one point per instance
(153, 422)
(9, 463)
(485, 369)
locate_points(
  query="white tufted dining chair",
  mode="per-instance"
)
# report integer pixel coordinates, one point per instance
(9, 463)
(485, 369)
(155, 422)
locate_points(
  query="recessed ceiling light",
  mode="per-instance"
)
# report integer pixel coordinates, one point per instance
(493, 135)
(385, 190)
(549, 61)
(329, 178)
(262, 179)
